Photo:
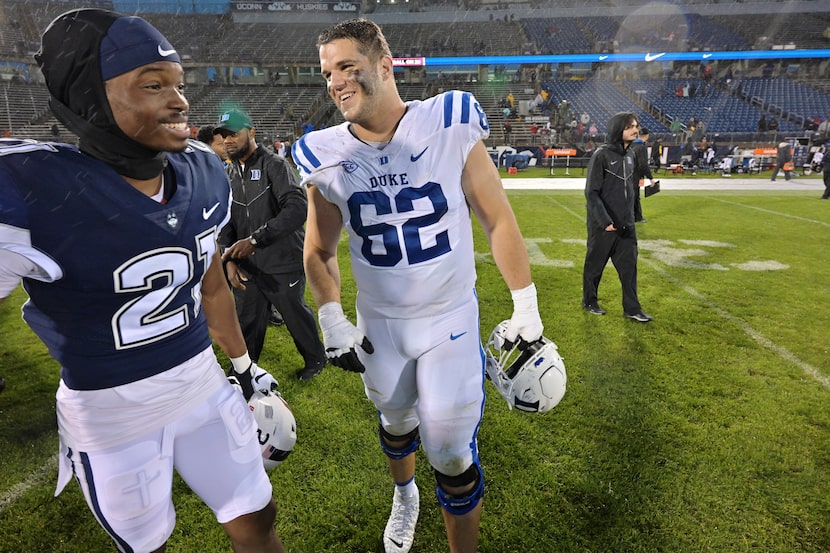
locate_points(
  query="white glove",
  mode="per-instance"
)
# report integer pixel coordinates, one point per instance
(248, 377)
(525, 325)
(341, 337)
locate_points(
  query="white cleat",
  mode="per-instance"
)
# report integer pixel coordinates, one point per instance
(400, 529)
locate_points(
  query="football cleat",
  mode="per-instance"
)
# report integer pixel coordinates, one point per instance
(530, 377)
(400, 528)
(276, 427)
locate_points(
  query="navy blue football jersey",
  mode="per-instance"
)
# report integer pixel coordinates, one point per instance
(123, 299)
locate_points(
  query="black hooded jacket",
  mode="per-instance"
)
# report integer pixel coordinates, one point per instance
(270, 205)
(70, 60)
(610, 187)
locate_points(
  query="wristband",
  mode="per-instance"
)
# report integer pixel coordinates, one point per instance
(241, 363)
(526, 297)
(329, 312)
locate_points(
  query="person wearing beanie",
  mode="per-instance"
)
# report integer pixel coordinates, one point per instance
(610, 191)
(115, 241)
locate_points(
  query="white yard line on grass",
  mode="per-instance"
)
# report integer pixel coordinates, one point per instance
(824, 223)
(49, 468)
(713, 184)
(781, 351)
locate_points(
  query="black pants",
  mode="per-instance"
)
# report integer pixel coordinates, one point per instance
(826, 177)
(286, 291)
(621, 248)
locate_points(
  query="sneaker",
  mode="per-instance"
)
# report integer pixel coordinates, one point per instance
(593, 308)
(275, 318)
(643, 220)
(639, 316)
(311, 369)
(400, 530)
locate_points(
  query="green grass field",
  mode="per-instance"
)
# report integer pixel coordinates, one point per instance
(707, 430)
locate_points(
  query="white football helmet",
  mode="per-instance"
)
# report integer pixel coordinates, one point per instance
(276, 427)
(532, 379)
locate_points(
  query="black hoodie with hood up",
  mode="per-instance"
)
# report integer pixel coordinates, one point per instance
(610, 188)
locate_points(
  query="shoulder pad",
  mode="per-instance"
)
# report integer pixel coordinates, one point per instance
(10, 146)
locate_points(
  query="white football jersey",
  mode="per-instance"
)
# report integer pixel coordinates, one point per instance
(409, 225)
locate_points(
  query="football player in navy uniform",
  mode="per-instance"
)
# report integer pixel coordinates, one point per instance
(402, 178)
(115, 243)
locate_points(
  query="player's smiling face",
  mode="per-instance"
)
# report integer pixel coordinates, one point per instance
(149, 106)
(352, 79)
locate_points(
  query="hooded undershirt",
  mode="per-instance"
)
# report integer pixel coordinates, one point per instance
(79, 51)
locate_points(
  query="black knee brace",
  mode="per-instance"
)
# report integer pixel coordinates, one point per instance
(460, 504)
(413, 440)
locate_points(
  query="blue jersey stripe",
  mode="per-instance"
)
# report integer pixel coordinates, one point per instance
(466, 100)
(88, 476)
(448, 109)
(465, 107)
(307, 154)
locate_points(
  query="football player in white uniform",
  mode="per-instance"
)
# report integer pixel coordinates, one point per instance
(115, 241)
(402, 178)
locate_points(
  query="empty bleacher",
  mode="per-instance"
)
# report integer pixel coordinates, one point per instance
(720, 111)
(254, 50)
(601, 100)
(789, 99)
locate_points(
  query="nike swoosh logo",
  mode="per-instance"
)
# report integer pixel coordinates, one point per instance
(613, 163)
(603, 58)
(293, 284)
(416, 158)
(398, 543)
(652, 57)
(456, 336)
(707, 56)
(164, 53)
(206, 213)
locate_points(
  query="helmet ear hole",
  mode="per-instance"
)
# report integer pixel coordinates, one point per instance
(276, 427)
(531, 379)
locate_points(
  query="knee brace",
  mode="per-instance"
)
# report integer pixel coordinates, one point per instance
(460, 504)
(413, 440)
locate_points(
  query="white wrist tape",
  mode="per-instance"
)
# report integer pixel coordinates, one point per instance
(241, 363)
(525, 299)
(329, 314)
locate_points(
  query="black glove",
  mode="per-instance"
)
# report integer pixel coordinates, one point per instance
(254, 379)
(341, 338)
(349, 360)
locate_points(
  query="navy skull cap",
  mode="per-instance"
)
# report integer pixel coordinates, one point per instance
(131, 42)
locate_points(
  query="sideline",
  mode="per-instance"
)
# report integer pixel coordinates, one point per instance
(713, 184)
